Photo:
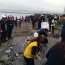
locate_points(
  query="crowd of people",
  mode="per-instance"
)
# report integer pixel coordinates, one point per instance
(7, 23)
(55, 55)
(6, 27)
(37, 20)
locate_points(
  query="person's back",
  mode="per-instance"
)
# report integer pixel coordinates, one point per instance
(28, 50)
(56, 55)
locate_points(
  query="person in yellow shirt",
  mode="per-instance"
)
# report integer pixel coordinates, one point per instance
(31, 51)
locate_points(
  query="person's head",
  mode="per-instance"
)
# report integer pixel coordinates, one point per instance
(62, 17)
(3, 17)
(10, 17)
(42, 36)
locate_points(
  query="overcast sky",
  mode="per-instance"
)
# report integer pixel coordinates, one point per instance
(40, 5)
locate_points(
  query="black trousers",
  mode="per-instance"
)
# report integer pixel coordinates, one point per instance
(0, 37)
(3, 36)
(9, 34)
(39, 25)
(52, 29)
(29, 61)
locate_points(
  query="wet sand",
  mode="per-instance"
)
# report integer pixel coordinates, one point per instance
(18, 44)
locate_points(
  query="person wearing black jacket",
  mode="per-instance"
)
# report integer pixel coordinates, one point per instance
(3, 28)
(10, 25)
(63, 27)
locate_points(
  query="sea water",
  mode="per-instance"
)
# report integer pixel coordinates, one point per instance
(18, 15)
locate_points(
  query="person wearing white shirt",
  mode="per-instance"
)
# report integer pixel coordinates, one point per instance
(52, 26)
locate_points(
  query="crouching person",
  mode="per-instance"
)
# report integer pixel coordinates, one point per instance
(31, 51)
